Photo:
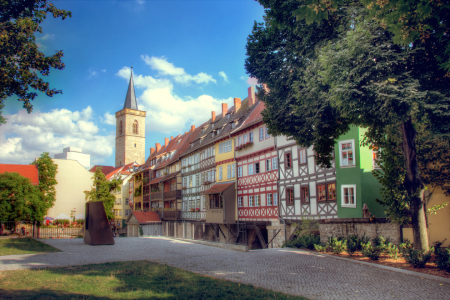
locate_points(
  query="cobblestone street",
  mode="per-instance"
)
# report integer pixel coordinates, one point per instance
(293, 272)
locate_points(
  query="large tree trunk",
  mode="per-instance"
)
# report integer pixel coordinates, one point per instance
(414, 186)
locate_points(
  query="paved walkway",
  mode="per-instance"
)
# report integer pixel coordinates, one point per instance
(299, 273)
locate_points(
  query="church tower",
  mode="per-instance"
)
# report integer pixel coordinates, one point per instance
(130, 130)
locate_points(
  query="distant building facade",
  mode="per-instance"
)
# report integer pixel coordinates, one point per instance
(75, 154)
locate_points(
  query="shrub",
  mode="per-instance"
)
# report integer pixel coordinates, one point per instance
(62, 222)
(352, 244)
(403, 247)
(305, 241)
(437, 246)
(392, 250)
(320, 248)
(363, 240)
(416, 258)
(443, 258)
(80, 221)
(337, 246)
(372, 252)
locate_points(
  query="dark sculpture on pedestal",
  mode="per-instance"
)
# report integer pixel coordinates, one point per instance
(96, 226)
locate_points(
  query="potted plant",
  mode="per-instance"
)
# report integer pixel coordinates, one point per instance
(192, 209)
(183, 188)
(197, 209)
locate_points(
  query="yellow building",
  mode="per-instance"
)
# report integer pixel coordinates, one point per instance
(225, 163)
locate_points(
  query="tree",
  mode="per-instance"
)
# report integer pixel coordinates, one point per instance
(350, 73)
(19, 199)
(409, 21)
(20, 57)
(102, 191)
(47, 182)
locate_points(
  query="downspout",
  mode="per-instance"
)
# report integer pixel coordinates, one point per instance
(235, 182)
(279, 202)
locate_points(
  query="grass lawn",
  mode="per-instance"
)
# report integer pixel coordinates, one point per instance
(124, 280)
(23, 246)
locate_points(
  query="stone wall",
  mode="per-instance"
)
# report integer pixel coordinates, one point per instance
(278, 241)
(359, 226)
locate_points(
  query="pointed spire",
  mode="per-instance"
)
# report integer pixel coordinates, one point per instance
(130, 100)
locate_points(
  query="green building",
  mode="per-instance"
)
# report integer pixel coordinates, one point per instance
(355, 182)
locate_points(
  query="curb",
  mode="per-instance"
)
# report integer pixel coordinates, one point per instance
(398, 270)
(233, 247)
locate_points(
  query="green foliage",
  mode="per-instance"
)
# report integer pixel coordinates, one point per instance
(61, 222)
(417, 258)
(306, 226)
(47, 174)
(403, 247)
(102, 191)
(304, 241)
(443, 258)
(141, 231)
(80, 221)
(433, 210)
(23, 64)
(320, 248)
(138, 191)
(372, 252)
(24, 246)
(392, 250)
(353, 244)
(20, 200)
(337, 246)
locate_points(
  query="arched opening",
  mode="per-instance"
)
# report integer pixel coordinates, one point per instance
(120, 127)
(135, 127)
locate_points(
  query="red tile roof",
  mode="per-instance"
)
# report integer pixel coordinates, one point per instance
(254, 118)
(146, 217)
(105, 169)
(157, 180)
(218, 188)
(28, 171)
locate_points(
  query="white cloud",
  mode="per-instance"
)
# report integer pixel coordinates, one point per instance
(243, 78)
(109, 119)
(167, 112)
(140, 1)
(25, 136)
(104, 70)
(252, 81)
(166, 68)
(223, 75)
(91, 74)
(46, 37)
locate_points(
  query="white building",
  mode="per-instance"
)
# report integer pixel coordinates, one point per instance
(73, 153)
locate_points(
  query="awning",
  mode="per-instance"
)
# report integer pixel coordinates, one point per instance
(170, 176)
(218, 188)
(157, 180)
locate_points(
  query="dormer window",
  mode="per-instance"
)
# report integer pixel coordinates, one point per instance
(212, 134)
(192, 145)
(212, 125)
(233, 125)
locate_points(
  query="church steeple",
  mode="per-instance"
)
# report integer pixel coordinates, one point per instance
(130, 100)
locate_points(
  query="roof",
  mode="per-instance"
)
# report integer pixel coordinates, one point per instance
(157, 180)
(218, 188)
(122, 170)
(170, 176)
(105, 169)
(254, 118)
(146, 217)
(130, 99)
(28, 171)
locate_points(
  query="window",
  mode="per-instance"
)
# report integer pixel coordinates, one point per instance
(257, 200)
(135, 127)
(239, 141)
(245, 138)
(196, 158)
(251, 137)
(215, 201)
(346, 150)
(220, 173)
(321, 192)
(257, 168)
(250, 169)
(305, 194)
(190, 181)
(233, 170)
(275, 199)
(269, 200)
(240, 171)
(250, 201)
(213, 150)
(348, 195)
(228, 171)
(197, 180)
(274, 163)
(268, 165)
(261, 133)
(173, 185)
(120, 127)
(290, 196)
(127, 212)
(120, 213)
(302, 156)
(185, 182)
(225, 147)
(288, 160)
(127, 201)
(267, 133)
(331, 191)
(134, 145)
(375, 157)
(239, 201)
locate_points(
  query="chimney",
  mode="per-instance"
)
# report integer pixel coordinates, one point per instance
(166, 141)
(185, 132)
(213, 116)
(192, 127)
(152, 150)
(266, 88)
(158, 147)
(224, 109)
(237, 104)
(171, 138)
(251, 96)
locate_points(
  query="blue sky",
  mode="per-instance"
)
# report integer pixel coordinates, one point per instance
(187, 57)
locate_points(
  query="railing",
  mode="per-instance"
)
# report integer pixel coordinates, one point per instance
(172, 195)
(41, 231)
(172, 215)
(156, 196)
(146, 198)
(194, 215)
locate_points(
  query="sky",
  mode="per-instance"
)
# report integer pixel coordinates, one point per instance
(187, 57)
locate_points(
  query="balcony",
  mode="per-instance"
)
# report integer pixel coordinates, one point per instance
(172, 195)
(194, 215)
(169, 215)
(156, 196)
(147, 198)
